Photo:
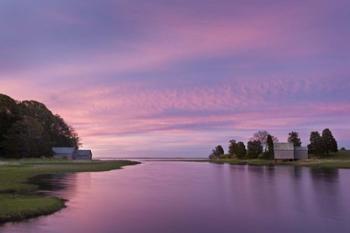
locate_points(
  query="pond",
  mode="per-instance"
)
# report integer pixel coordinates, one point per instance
(190, 197)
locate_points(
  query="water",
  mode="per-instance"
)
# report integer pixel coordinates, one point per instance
(191, 197)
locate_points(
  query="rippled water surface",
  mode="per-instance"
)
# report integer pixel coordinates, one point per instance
(196, 197)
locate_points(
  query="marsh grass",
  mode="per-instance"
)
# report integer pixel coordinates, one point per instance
(19, 199)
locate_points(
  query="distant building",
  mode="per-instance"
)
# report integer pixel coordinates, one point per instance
(71, 153)
(83, 155)
(64, 152)
(284, 150)
(287, 151)
(301, 153)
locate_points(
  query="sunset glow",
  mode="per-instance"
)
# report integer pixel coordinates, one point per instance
(174, 78)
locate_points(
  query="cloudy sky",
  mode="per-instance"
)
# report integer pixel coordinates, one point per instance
(177, 77)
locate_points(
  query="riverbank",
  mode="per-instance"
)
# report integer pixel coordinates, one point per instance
(20, 200)
(338, 160)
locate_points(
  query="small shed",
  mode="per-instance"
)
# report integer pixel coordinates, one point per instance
(284, 150)
(64, 152)
(83, 155)
(301, 152)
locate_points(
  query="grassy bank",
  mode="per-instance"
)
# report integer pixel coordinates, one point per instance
(338, 160)
(19, 199)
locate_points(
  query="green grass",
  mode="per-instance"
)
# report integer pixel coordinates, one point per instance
(337, 160)
(18, 198)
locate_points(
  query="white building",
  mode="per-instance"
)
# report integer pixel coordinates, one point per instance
(71, 153)
(64, 152)
(287, 151)
(83, 155)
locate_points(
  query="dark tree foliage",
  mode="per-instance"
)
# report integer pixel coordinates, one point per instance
(255, 148)
(270, 150)
(316, 145)
(321, 145)
(294, 138)
(232, 148)
(262, 136)
(237, 149)
(217, 153)
(330, 144)
(240, 150)
(219, 150)
(39, 125)
(60, 133)
(8, 116)
(26, 138)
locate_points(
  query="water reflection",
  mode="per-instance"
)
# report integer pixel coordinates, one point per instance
(53, 182)
(174, 197)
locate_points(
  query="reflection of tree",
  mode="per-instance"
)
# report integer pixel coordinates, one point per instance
(326, 191)
(297, 172)
(63, 184)
(325, 174)
(271, 171)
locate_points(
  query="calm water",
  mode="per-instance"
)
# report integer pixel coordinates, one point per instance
(189, 197)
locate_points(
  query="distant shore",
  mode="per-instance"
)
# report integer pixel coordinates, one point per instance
(19, 199)
(338, 160)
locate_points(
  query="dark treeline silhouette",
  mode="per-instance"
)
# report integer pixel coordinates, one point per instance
(322, 144)
(261, 145)
(30, 129)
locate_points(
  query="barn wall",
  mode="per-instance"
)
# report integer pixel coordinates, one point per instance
(284, 154)
(301, 153)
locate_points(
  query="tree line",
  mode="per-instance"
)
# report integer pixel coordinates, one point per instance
(261, 145)
(30, 129)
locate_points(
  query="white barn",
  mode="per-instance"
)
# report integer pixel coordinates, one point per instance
(287, 151)
(284, 150)
(301, 152)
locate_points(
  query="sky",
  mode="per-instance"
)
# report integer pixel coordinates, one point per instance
(168, 78)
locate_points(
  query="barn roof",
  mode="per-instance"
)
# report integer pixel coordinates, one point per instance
(84, 152)
(301, 148)
(284, 146)
(63, 150)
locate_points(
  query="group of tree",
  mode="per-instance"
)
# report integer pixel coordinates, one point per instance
(322, 144)
(260, 145)
(30, 129)
(294, 138)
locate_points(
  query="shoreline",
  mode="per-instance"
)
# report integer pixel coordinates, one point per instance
(21, 200)
(313, 163)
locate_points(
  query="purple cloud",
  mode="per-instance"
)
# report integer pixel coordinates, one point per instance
(177, 74)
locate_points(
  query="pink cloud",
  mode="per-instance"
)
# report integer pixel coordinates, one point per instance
(92, 88)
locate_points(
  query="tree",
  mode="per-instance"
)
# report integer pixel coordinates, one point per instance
(270, 150)
(232, 148)
(240, 150)
(330, 144)
(316, 145)
(8, 116)
(14, 114)
(262, 136)
(26, 138)
(255, 148)
(294, 138)
(60, 133)
(218, 152)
